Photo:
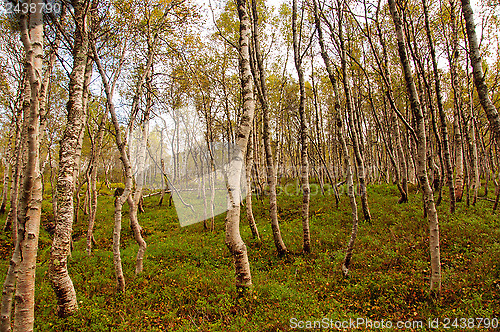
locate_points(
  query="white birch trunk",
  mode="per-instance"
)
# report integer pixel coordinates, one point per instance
(68, 168)
(477, 71)
(233, 239)
(248, 169)
(31, 195)
(260, 82)
(121, 145)
(429, 205)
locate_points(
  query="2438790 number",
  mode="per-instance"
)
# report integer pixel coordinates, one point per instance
(470, 323)
(27, 8)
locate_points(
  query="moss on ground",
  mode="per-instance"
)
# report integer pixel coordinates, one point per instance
(187, 284)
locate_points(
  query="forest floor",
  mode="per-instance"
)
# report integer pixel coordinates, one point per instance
(188, 279)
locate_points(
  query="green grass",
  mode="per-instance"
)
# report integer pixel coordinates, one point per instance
(188, 279)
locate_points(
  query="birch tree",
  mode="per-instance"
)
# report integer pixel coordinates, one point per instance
(361, 171)
(260, 83)
(233, 239)
(442, 115)
(453, 56)
(477, 71)
(120, 200)
(6, 170)
(68, 163)
(304, 163)
(31, 194)
(248, 198)
(343, 145)
(9, 285)
(418, 116)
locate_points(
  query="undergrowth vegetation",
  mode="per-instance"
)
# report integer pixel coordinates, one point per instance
(188, 281)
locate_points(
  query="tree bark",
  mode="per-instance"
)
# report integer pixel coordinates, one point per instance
(435, 278)
(260, 82)
(68, 159)
(6, 171)
(352, 198)
(473, 153)
(95, 153)
(233, 239)
(459, 159)
(163, 189)
(248, 169)
(9, 286)
(121, 145)
(31, 196)
(497, 194)
(135, 198)
(477, 70)
(442, 115)
(453, 55)
(136, 195)
(19, 148)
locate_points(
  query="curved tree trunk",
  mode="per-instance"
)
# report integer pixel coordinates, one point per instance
(401, 156)
(135, 197)
(132, 201)
(479, 80)
(402, 163)
(233, 239)
(260, 82)
(121, 145)
(469, 131)
(430, 208)
(68, 159)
